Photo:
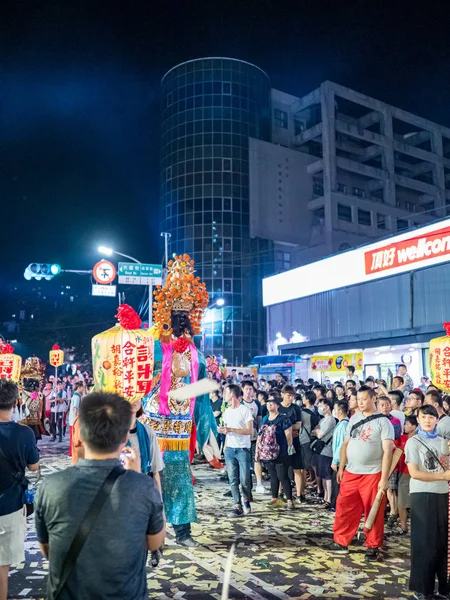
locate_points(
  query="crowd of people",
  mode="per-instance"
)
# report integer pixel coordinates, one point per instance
(333, 446)
(306, 443)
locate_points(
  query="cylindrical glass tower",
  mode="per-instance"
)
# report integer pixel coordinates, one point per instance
(210, 109)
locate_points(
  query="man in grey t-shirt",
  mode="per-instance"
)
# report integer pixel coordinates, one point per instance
(366, 457)
(112, 562)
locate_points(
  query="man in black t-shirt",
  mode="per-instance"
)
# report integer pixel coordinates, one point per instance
(294, 414)
(18, 451)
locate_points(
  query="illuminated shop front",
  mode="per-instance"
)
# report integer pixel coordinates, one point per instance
(385, 300)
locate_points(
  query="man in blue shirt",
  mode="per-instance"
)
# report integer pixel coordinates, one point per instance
(340, 412)
(18, 451)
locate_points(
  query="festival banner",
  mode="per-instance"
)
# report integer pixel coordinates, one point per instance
(337, 362)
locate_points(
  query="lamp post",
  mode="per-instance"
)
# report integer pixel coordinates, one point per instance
(217, 304)
(109, 252)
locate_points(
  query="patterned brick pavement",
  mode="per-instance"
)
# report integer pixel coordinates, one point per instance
(279, 555)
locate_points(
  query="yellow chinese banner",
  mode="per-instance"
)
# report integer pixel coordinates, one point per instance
(337, 362)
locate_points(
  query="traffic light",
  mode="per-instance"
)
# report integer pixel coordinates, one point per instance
(41, 271)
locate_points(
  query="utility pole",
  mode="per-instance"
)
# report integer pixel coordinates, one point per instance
(166, 237)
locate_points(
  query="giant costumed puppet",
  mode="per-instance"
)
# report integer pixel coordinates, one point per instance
(180, 424)
(32, 399)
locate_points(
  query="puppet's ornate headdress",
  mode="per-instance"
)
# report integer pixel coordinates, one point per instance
(33, 368)
(182, 292)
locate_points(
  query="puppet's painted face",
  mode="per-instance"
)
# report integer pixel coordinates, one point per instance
(181, 323)
(30, 385)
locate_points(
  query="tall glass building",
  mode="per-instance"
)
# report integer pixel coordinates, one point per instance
(210, 109)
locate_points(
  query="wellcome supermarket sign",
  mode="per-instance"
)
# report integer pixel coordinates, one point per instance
(409, 251)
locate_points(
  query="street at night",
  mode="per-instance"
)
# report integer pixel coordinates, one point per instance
(278, 555)
(224, 316)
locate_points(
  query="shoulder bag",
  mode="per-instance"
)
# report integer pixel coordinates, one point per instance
(431, 450)
(86, 526)
(366, 420)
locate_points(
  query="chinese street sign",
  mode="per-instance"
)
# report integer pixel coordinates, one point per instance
(104, 290)
(140, 274)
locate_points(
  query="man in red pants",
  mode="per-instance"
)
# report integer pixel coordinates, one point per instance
(365, 460)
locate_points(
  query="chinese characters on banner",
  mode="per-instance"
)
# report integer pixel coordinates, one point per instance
(123, 362)
(10, 364)
(56, 356)
(440, 360)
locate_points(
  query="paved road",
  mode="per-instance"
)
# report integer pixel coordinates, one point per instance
(279, 555)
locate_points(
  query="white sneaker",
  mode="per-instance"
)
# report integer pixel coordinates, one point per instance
(260, 489)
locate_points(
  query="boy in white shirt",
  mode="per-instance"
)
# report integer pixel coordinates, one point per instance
(238, 428)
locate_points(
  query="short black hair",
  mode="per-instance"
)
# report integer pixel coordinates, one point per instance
(421, 395)
(339, 385)
(247, 383)
(9, 394)
(310, 398)
(353, 383)
(288, 389)
(400, 378)
(402, 365)
(398, 395)
(235, 390)
(264, 394)
(105, 421)
(351, 368)
(412, 419)
(322, 388)
(327, 402)
(342, 406)
(427, 409)
(436, 396)
(365, 388)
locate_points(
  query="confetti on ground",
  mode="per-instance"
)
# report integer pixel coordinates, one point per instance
(278, 555)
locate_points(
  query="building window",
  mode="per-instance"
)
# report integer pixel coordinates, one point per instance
(344, 212)
(227, 204)
(381, 221)
(341, 187)
(402, 224)
(226, 164)
(280, 118)
(228, 285)
(299, 126)
(286, 261)
(227, 246)
(360, 193)
(169, 99)
(317, 188)
(168, 173)
(226, 88)
(364, 217)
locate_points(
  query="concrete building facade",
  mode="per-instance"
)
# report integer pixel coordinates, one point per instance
(255, 181)
(370, 169)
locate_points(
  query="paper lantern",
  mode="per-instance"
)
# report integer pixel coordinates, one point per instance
(56, 356)
(10, 363)
(440, 360)
(123, 357)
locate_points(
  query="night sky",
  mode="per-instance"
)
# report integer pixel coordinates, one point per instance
(79, 91)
